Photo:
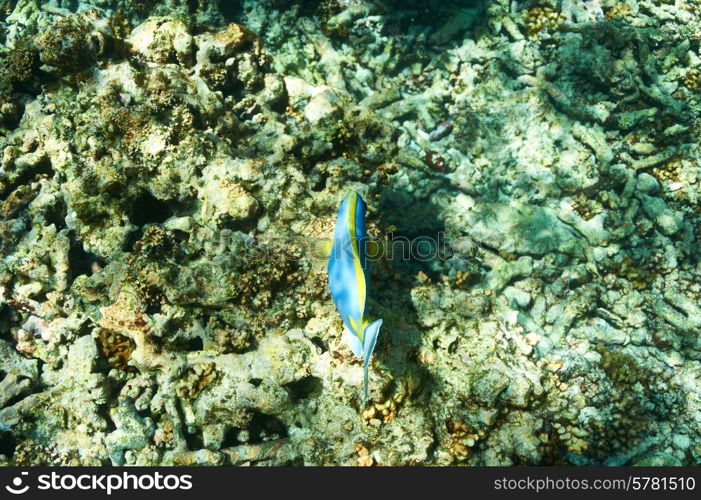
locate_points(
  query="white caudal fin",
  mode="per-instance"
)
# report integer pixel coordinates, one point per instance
(353, 342)
(369, 341)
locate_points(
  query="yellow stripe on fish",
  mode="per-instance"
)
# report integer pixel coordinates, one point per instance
(360, 275)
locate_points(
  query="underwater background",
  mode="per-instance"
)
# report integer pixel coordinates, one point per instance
(167, 169)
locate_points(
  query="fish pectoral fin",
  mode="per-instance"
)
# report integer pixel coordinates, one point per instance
(321, 248)
(318, 253)
(369, 342)
(353, 342)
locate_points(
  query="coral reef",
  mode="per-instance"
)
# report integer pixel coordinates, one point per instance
(167, 170)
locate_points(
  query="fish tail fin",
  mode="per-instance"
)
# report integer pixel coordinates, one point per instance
(369, 340)
(353, 342)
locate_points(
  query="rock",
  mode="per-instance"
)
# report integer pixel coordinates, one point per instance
(323, 103)
(517, 297)
(162, 40)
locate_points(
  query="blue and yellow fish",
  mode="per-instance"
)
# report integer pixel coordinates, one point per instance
(349, 277)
